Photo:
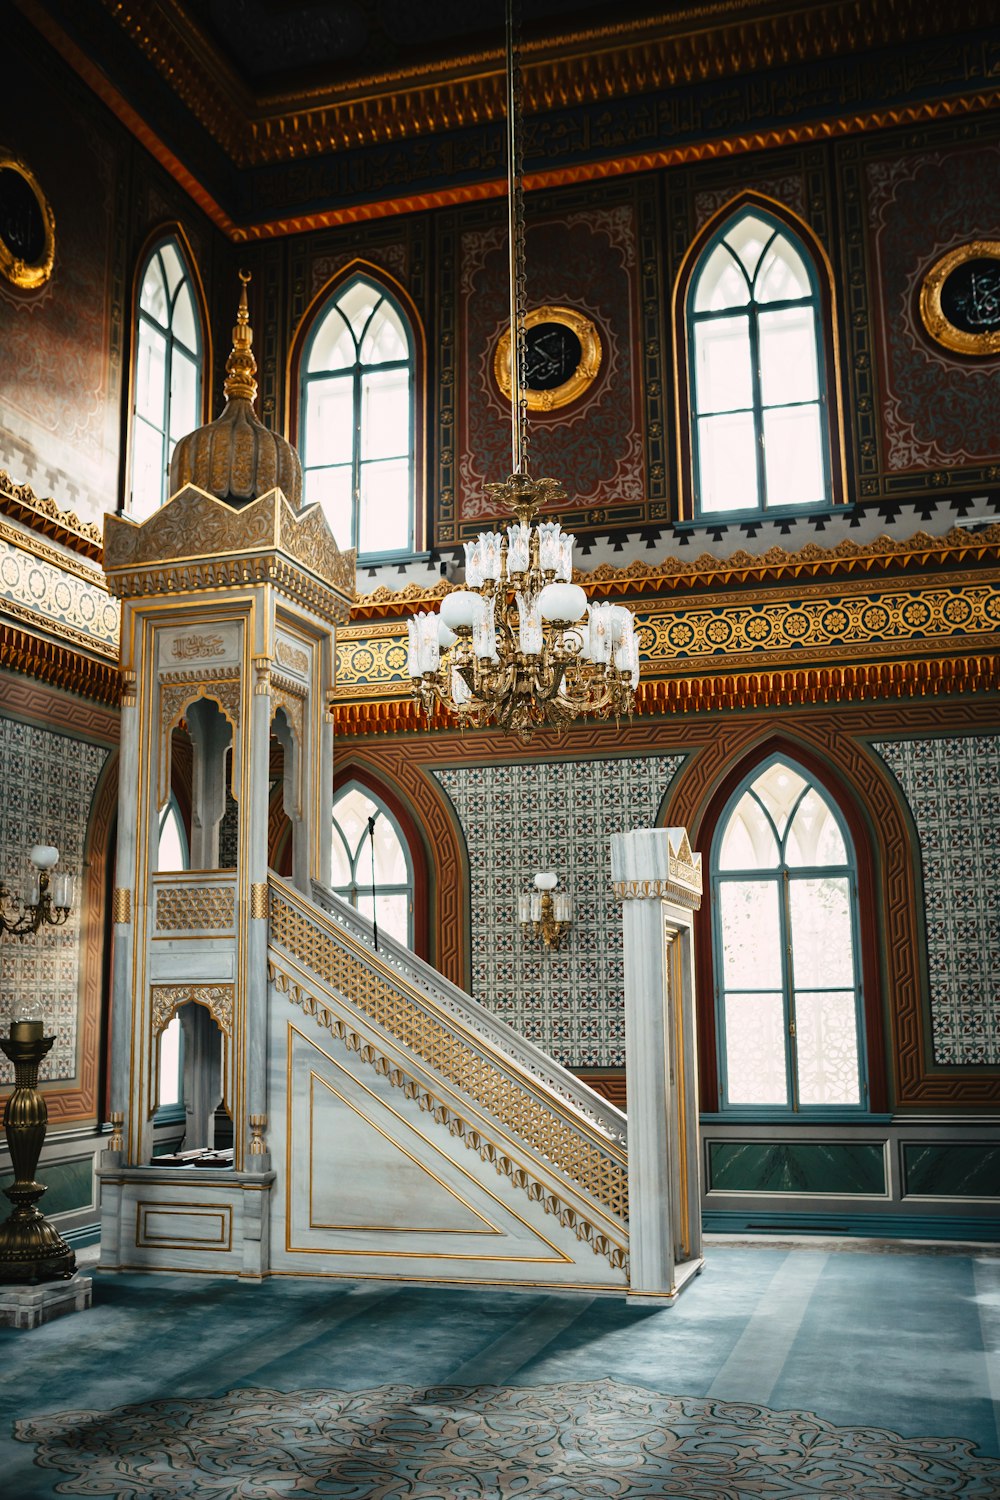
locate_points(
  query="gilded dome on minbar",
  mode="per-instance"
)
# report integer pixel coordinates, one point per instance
(236, 458)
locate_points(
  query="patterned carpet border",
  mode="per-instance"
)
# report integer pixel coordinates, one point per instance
(592, 1440)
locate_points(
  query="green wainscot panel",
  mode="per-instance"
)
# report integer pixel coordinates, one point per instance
(938, 1171)
(70, 1185)
(796, 1167)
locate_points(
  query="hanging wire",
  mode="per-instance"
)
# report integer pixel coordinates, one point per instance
(515, 227)
(371, 840)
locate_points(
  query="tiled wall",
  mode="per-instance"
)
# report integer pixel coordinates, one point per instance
(48, 784)
(518, 819)
(952, 785)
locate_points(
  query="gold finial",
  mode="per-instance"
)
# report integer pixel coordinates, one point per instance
(241, 367)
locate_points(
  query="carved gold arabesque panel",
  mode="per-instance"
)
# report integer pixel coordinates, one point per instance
(584, 1161)
(167, 1000)
(292, 658)
(198, 646)
(195, 908)
(194, 530)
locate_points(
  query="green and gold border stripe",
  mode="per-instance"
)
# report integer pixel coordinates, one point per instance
(757, 630)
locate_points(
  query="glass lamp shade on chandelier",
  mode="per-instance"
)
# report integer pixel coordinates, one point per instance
(520, 646)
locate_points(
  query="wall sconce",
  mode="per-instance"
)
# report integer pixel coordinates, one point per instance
(44, 898)
(549, 914)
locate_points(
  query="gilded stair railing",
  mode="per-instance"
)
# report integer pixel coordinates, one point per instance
(563, 1122)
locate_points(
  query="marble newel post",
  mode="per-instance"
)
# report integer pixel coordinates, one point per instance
(658, 881)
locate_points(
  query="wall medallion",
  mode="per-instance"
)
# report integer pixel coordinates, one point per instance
(563, 356)
(960, 299)
(27, 226)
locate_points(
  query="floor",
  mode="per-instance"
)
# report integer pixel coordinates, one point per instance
(907, 1341)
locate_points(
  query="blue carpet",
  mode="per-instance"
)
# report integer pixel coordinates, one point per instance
(890, 1352)
(592, 1439)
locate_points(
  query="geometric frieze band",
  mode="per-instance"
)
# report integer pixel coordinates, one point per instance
(752, 629)
(37, 591)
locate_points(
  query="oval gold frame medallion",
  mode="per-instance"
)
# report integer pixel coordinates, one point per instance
(29, 275)
(932, 313)
(582, 378)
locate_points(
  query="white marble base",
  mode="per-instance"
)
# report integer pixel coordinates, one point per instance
(684, 1271)
(30, 1306)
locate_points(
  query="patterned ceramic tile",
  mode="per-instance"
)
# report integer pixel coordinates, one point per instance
(518, 819)
(952, 785)
(49, 782)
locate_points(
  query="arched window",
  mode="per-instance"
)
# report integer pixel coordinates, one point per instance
(172, 850)
(167, 372)
(356, 419)
(353, 852)
(785, 917)
(172, 854)
(760, 430)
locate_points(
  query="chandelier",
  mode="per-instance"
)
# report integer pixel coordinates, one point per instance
(520, 646)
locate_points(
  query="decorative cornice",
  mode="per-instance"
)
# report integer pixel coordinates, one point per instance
(196, 541)
(793, 687)
(669, 49)
(957, 548)
(43, 515)
(36, 656)
(578, 69)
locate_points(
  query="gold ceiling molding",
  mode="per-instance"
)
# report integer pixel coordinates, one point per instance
(859, 121)
(575, 67)
(43, 515)
(957, 546)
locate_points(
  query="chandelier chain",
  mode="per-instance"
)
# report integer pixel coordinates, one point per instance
(518, 273)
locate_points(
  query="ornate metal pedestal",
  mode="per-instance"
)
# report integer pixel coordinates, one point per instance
(30, 1248)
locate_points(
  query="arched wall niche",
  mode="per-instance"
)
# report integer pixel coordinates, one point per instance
(699, 808)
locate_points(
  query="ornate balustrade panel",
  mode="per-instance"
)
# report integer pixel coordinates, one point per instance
(580, 1135)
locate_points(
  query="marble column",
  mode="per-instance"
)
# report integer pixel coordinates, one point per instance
(658, 881)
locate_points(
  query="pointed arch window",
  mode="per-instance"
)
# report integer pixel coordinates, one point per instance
(171, 854)
(760, 431)
(357, 419)
(786, 938)
(374, 872)
(166, 382)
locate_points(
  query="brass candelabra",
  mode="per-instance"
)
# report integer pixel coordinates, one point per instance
(30, 1248)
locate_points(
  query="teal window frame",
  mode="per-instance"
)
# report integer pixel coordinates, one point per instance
(354, 373)
(172, 343)
(363, 886)
(814, 302)
(782, 875)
